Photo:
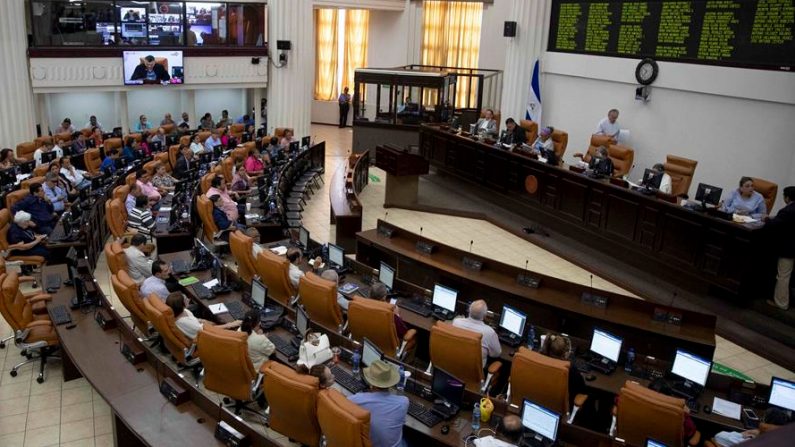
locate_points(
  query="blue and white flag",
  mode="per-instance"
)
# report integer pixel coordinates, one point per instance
(533, 111)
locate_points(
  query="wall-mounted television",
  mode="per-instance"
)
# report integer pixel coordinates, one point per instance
(153, 67)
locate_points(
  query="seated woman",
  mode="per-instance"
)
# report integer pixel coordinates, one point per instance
(259, 347)
(144, 182)
(162, 180)
(187, 323)
(322, 372)
(7, 159)
(544, 141)
(745, 200)
(287, 138)
(224, 224)
(228, 204)
(559, 347)
(196, 145)
(240, 180)
(254, 165)
(22, 239)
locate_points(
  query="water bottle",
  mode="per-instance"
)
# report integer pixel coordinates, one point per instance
(630, 360)
(356, 358)
(476, 416)
(531, 337)
(402, 383)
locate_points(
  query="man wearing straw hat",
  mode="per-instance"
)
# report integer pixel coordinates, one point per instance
(387, 411)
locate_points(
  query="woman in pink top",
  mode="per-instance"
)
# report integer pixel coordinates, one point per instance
(227, 203)
(254, 165)
(144, 181)
(287, 138)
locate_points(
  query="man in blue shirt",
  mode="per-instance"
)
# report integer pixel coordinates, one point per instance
(387, 411)
(220, 218)
(40, 210)
(108, 165)
(54, 193)
(212, 141)
(245, 119)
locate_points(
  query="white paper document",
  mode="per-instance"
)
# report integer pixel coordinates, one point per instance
(281, 250)
(726, 408)
(209, 284)
(218, 308)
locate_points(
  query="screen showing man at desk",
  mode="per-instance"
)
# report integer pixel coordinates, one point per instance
(370, 353)
(444, 297)
(336, 255)
(539, 420)
(606, 345)
(512, 320)
(782, 393)
(258, 292)
(386, 275)
(690, 367)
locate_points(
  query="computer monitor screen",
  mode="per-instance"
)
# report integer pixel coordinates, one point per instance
(691, 367)
(708, 194)
(8, 177)
(446, 386)
(26, 167)
(305, 141)
(782, 393)
(294, 146)
(336, 255)
(652, 179)
(47, 157)
(370, 352)
(540, 420)
(167, 68)
(386, 275)
(301, 321)
(605, 344)
(512, 320)
(258, 293)
(654, 443)
(444, 297)
(303, 237)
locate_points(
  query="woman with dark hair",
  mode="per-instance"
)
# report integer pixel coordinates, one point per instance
(259, 347)
(745, 200)
(322, 372)
(7, 159)
(254, 165)
(559, 347)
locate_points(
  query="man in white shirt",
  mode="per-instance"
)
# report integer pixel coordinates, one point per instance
(186, 322)
(294, 255)
(609, 125)
(490, 343)
(92, 123)
(139, 265)
(212, 141)
(46, 147)
(156, 284)
(665, 183)
(332, 275)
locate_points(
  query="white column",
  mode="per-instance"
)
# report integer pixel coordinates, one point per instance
(16, 96)
(256, 99)
(123, 112)
(290, 87)
(520, 55)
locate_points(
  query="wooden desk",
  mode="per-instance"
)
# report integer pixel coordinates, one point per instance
(346, 208)
(403, 171)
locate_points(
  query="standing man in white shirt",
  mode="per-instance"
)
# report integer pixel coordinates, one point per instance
(490, 343)
(139, 264)
(609, 125)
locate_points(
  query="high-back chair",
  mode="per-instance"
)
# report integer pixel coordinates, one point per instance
(25, 150)
(292, 399)
(274, 272)
(173, 153)
(237, 130)
(168, 129)
(15, 196)
(5, 225)
(769, 191)
(211, 231)
(319, 297)
(204, 135)
(375, 320)
(594, 144)
(162, 318)
(112, 143)
(41, 171)
(25, 184)
(39, 141)
(458, 351)
(241, 246)
(342, 422)
(163, 159)
(121, 192)
(206, 181)
(130, 296)
(117, 259)
(130, 179)
(642, 413)
(92, 160)
(116, 218)
(560, 140)
(543, 380)
(530, 130)
(681, 171)
(226, 168)
(623, 157)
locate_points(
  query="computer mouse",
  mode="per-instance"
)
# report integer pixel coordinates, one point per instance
(590, 377)
(445, 429)
(707, 409)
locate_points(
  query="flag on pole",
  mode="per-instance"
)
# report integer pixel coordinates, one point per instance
(533, 111)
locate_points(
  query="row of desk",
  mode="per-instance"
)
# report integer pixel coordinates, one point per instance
(347, 183)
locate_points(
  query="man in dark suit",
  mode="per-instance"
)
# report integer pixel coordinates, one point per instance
(40, 209)
(220, 218)
(149, 71)
(184, 162)
(514, 134)
(780, 231)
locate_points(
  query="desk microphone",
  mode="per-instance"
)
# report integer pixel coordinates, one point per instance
(526, 261)
(470, 245)
(591, 284)
(420, 231)
(386, 214)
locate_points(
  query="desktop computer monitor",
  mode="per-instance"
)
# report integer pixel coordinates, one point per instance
(654, 443)
(47, 157)
(386, 275)
(294, 147)
(708, 194)
(26, 167)
(7, 177)
(605, 344)
(512, 320)
(782, 393)
(370, 352)
(539, 420)
(301, 321)
(446, 386)
(306, 141)
(336, 255)
(258, 293)
(691, 367)
(652, 179)
(303, 238)
(444, 297)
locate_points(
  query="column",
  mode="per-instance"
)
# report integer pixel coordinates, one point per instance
(521, 53)
(290, 87)
(256, 99)
(16, 95)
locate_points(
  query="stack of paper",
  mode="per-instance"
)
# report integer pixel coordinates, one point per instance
(726, 408)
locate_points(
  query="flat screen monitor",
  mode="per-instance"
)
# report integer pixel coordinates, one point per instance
(708, 194)
(294, 147)
(386, 275)
(444, 297)
(306, 141)
(446, 386)
(654, 443)
(691, 367)
(782, 393)
(370, 352)
(652, 179)
(47, 157)
(301, 321)
(26, 167)
(540, 420)
(605, 344)
(336, 255)
(303, 237)
(512, 320)
(167, 67)
(258, 293)
(8, 177)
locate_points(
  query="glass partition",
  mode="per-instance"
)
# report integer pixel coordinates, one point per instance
(65, 23)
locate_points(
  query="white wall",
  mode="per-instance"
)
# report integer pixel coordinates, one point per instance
(213, 101)
(492, 42)
(79, 106)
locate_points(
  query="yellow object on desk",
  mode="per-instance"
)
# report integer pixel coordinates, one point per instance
(486, 408)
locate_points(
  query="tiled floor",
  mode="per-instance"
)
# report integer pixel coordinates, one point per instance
(73, 414)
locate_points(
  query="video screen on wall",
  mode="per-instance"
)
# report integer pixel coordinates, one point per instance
(153, 67)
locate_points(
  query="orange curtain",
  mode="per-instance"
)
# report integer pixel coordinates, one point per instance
(357, 22)
(326, 48)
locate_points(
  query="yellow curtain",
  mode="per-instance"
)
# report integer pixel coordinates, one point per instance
(451, 38)
(326, 47)
(356, 28)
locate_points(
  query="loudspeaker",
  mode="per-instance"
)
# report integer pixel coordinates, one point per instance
(509, 30)
(283, 45)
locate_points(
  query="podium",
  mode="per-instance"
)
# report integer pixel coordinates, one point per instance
(403, 171)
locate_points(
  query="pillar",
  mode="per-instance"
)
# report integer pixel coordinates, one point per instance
(290, 87)
(256, 100)
(16, 95)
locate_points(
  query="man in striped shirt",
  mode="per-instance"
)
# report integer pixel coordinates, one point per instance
(140, 218)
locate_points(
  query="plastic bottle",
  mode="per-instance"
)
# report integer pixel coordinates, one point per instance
(356, 358)
(402, 383)
(630, 360)
(531, 338)
(476, 416)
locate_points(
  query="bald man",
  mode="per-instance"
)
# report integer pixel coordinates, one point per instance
(490, 343)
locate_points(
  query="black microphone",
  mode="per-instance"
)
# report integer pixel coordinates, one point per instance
(470, 245)
(526, 261)
(420, 231)
(386, 214)
(591, 283)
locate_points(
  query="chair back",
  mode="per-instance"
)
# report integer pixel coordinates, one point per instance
(458, 351)
(149, 166)
(204, 135)
(5, 225)
(681, 171)
(92, 160)
(112, 143)
(342, 422)
(137, 136)
(173, 153)
(530, 130)
(769, 191)
(117, 259)
(25, 184)
(163, 159)
(205, 208)
(130, 296)
(168, 128)
(13, 197)
(227, 367)
(319, 297)
(41, 171)
(540, 378)
(374, 320)
(227, 166)
(622, 157)
(274, 272)
(121, 192)
(241, 246)
(130, 179)
(116, 217)
(643, 413)
(595, 143)
(237, 130)
(293, 403)
(205, 182)
(16, 309)
(279, 132)
(39, 141)
(25, 150)
(560, 140)
(162, 318)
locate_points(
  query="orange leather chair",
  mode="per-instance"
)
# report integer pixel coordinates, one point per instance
(497, 118)
(173, 153)
(769, 191)
(162, 318)
(279, 132)
(163, 158)
(5, 225)
(681, 171)
(150, 166)
(185, 140)
(66, 137)
(41, 171)
(242, 152)
(227, 367)
(39, 141)
(342, 422)
(623, 157)
(168, 128)
(204, 135)
(375, 320)
(543, 380)
(25, 184)
(117, 259)
(135, 136)
(130, 179)
(121, 192)
(319, 297)
(211, 231)
(530, 130)
(86, 132)
(112, 143)
(560, 140)
(93, 161)
(292, 398)
(642, 413)
(13, 197)
(241, 246)
(116, 218)
(33, 333)
(595, 143)
(25, 150)
(130, 296)
(237, 130)
(274, 272)
(458, 351)
(226, 168)
(205, 182)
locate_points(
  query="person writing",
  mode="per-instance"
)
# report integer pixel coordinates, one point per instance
(780, 230)
(609, 125)
(487, 123)
(150, 72)
(186, 322)
(514, 135)
(490, 343)
(345, 105)
(387, 411)
(745, 200)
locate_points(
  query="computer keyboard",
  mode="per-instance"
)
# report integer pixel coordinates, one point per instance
(236, 309)
(582, 365)
(347, 381)
(423, 414)
(60, 315)
(512, 341)
(415, 307)
(692, 404)
(203, 293)
(52, 283)
(284, 346)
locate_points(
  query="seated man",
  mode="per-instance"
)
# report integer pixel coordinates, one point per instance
(45, 148)
(665, 183)
(23, 240)
(600, 163)
(108, 165)
(186, 322)
(212, 141)
(156, 284)
(39, 208)
(184, 162)
(387, 411)
(221, 220)
(129, 201)
(514, 135)
(295, 256)
(149, 71)
(54, 193)
(490, 343)
(378, 292)
(139, 263)
(332, 275)
(140, 218)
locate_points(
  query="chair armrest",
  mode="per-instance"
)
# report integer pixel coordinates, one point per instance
(39, 298)
(256, 386)
(578, 155)
(695, 439)
(709, 443)
(38, 323)
(580, 399)
(411, 334)
(495, 367)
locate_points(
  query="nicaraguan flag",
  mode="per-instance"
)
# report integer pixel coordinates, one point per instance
(533, 111)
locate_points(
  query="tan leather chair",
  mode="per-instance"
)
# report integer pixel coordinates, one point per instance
(117, 259)
(15, 196)
(237, 130)
(130, 296)
(227, 367)
(185, 140)
(458, 351)
(168, 128)
(642, 413)
(279, 132)
(375, 320)
(204, 135)
(530, 130)
(212, 233)
(342, 422)
(39, 141)
(595, 143)
(623, 157)
(173, 153)
(319, 297)
(5, 225)
(162, 318)
(205, 182)
(560, 140)
(41, 171)
(150, 166)
(137, 136)
(121, 192)
(769, 191)
(241, 246)
(242, 152)
(543, 380)
(116, 218)
(92, 160)
(130, 179)
(25, 184)
(681, 171)
(112, 143)
(25, 150)
(66, 137)
(163, 158)
(292, 398)
(86, 132)
(274, 272)
(227, 166)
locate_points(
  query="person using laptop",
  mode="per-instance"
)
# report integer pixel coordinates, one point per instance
(139, 258)
(46, 148)
(514, 135)
(600, 163)
(259, 347)
(387, 411)
(490, 342)
(379, 292)
(186, 322)
(665, 183)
